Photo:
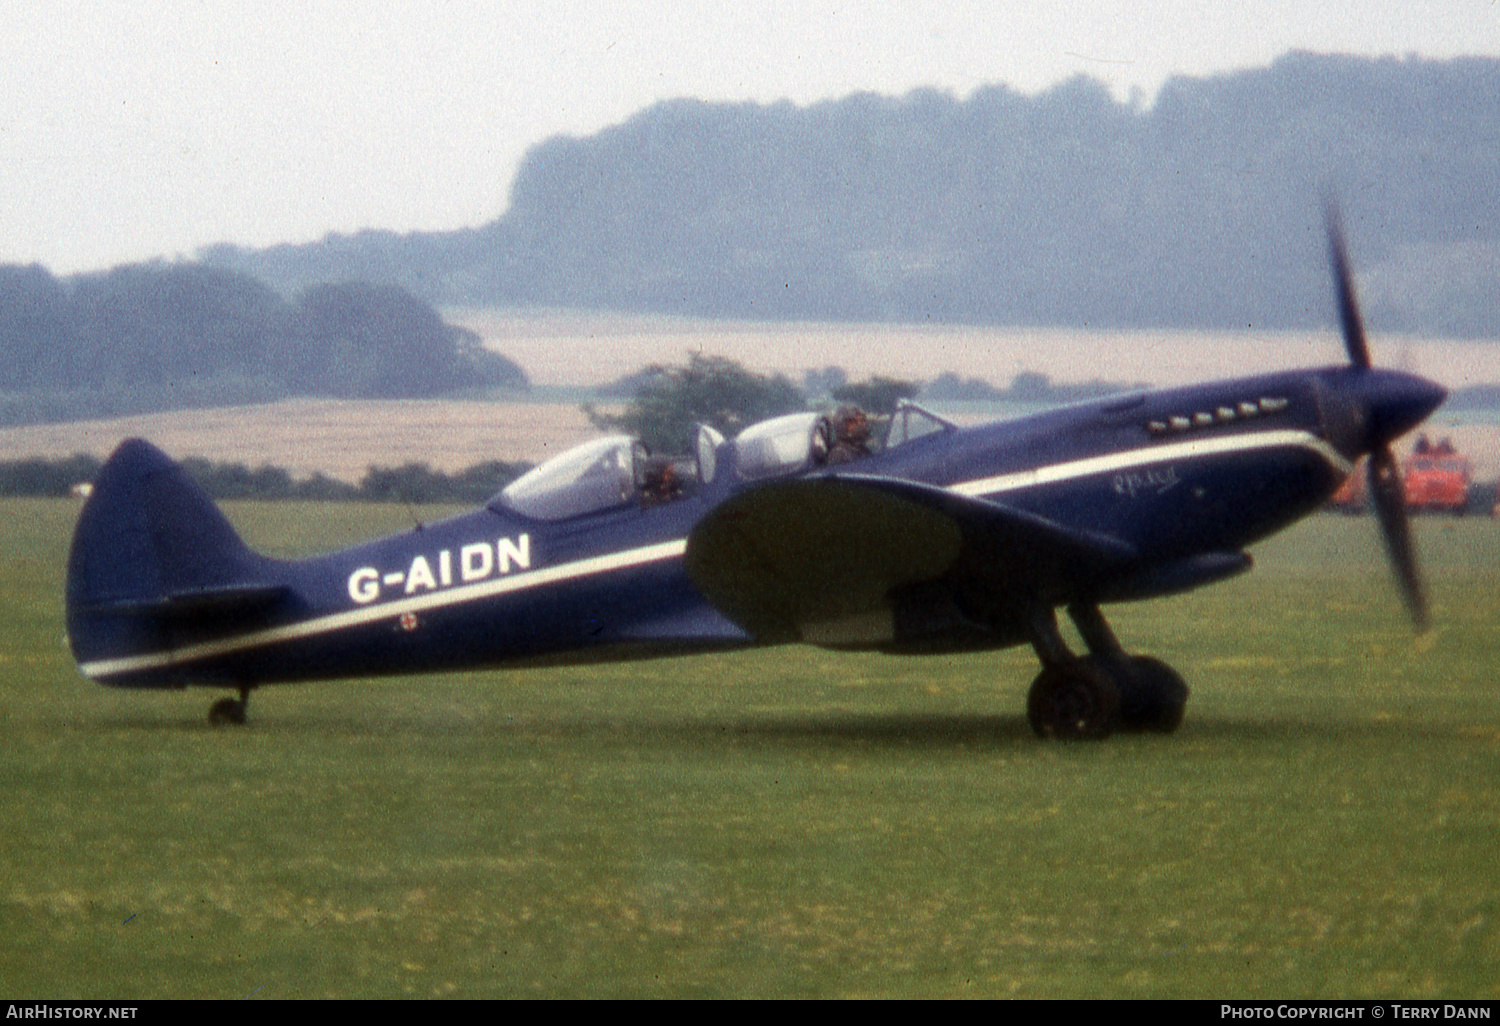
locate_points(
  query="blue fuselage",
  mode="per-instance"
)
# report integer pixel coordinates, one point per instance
(1173, 474)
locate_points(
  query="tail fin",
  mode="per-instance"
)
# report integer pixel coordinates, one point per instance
(153, 560)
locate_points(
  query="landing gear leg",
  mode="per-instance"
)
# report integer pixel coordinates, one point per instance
(1153, 696)
(230, 711)
(1072, 698)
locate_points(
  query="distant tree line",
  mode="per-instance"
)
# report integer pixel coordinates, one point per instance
(670, 401)
(1067, 207)
(411, 483)
(1025, 387)
(664, 406)
(156, 336)
(667, 402)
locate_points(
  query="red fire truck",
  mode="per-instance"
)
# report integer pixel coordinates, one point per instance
(1436, 479)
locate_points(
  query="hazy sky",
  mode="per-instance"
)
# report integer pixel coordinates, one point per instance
(133, 130)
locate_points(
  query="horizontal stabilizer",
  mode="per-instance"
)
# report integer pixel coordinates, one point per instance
(228, 600)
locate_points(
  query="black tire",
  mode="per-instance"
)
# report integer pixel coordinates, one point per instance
(1153, 696)
(1073, 702)
(227, 712)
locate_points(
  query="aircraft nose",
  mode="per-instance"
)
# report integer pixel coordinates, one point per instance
(1395, 402)
(1370, 408)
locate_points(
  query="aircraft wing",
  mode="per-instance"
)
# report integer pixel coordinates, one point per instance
(833, 560)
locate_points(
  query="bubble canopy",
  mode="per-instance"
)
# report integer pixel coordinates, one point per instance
(608, 473)
(782, 445)
(593, 476)
(619, 470)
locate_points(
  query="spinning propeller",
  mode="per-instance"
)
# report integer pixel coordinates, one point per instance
(1392, 404)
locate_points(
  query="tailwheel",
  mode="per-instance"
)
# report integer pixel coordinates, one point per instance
(1153, 696)
(1073, 700)
(229, 711)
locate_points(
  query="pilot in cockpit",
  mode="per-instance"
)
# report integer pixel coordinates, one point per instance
(660, 481)
(851, 435)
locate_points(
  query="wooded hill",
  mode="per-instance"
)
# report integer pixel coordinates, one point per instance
(1065, 208)
(1202, 209)
(166, 336)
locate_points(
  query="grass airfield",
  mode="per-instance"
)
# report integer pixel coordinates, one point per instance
(785, 823)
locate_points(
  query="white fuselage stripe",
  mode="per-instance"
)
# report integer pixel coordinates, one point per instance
(1166, 453)
(1057, 472)
(386, 610)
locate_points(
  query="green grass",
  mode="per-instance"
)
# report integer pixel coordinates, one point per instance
(781, 823)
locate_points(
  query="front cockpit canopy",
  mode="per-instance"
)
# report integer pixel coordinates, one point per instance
(911, 422)
(782, 445)
(805, 441)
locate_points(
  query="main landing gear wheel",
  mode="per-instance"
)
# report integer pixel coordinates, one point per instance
(1075, 700)
(1153, 696)
(230, 712)
(1106, 690)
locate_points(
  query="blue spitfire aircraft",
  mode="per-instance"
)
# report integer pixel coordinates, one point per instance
(948, 538)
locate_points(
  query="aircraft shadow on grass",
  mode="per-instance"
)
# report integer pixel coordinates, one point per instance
(905, 731)
(937, 729)
(800, 530)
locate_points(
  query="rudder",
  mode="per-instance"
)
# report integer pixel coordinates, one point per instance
(151, 552)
